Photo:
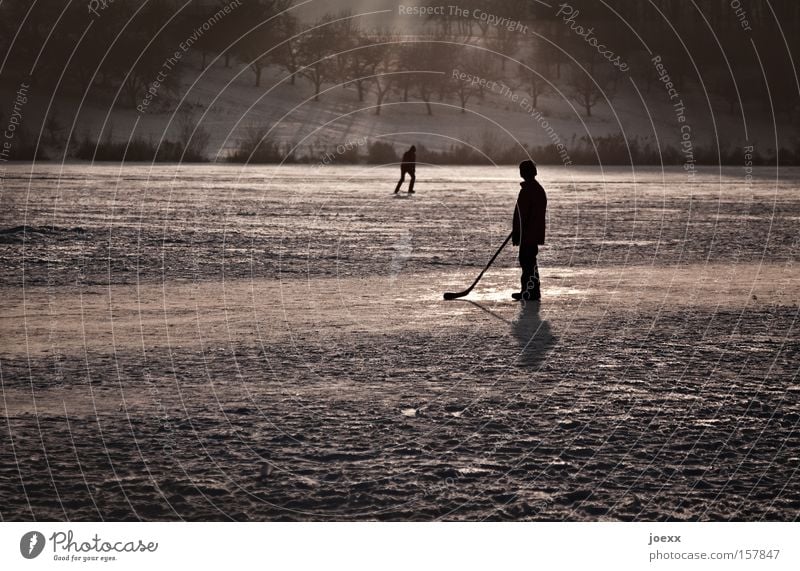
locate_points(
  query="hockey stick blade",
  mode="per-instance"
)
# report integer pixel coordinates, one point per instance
(450, 295)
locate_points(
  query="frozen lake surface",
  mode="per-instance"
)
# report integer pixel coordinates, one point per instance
(271, 343)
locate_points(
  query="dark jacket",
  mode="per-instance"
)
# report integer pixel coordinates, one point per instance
(529, 215)
(409, 160)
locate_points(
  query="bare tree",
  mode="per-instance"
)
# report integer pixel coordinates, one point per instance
(346, 36)
(476, 66)
(428, 55)
(504, 41)
(315, 53)
(382, 68)
(253, 46)
(286, 56)
(363, 63)
(536, 74)
(407, 57)
(590, 81)
(483, 65)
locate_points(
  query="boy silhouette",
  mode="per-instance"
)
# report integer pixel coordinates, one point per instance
(408, 165)
(528, 230)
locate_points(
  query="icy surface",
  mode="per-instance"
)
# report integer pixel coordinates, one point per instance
(271, 343)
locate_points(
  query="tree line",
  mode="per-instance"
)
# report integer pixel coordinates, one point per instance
(440, 60)
(123, 48)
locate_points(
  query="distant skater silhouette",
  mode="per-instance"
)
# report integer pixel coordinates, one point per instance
(528, 230)
(408, 165)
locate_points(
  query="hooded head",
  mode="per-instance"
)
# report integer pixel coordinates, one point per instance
(527, 170)
(413, 149)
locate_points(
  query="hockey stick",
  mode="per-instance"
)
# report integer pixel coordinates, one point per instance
(451, 295)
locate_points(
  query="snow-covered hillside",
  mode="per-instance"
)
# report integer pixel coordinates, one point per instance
(227, 105)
